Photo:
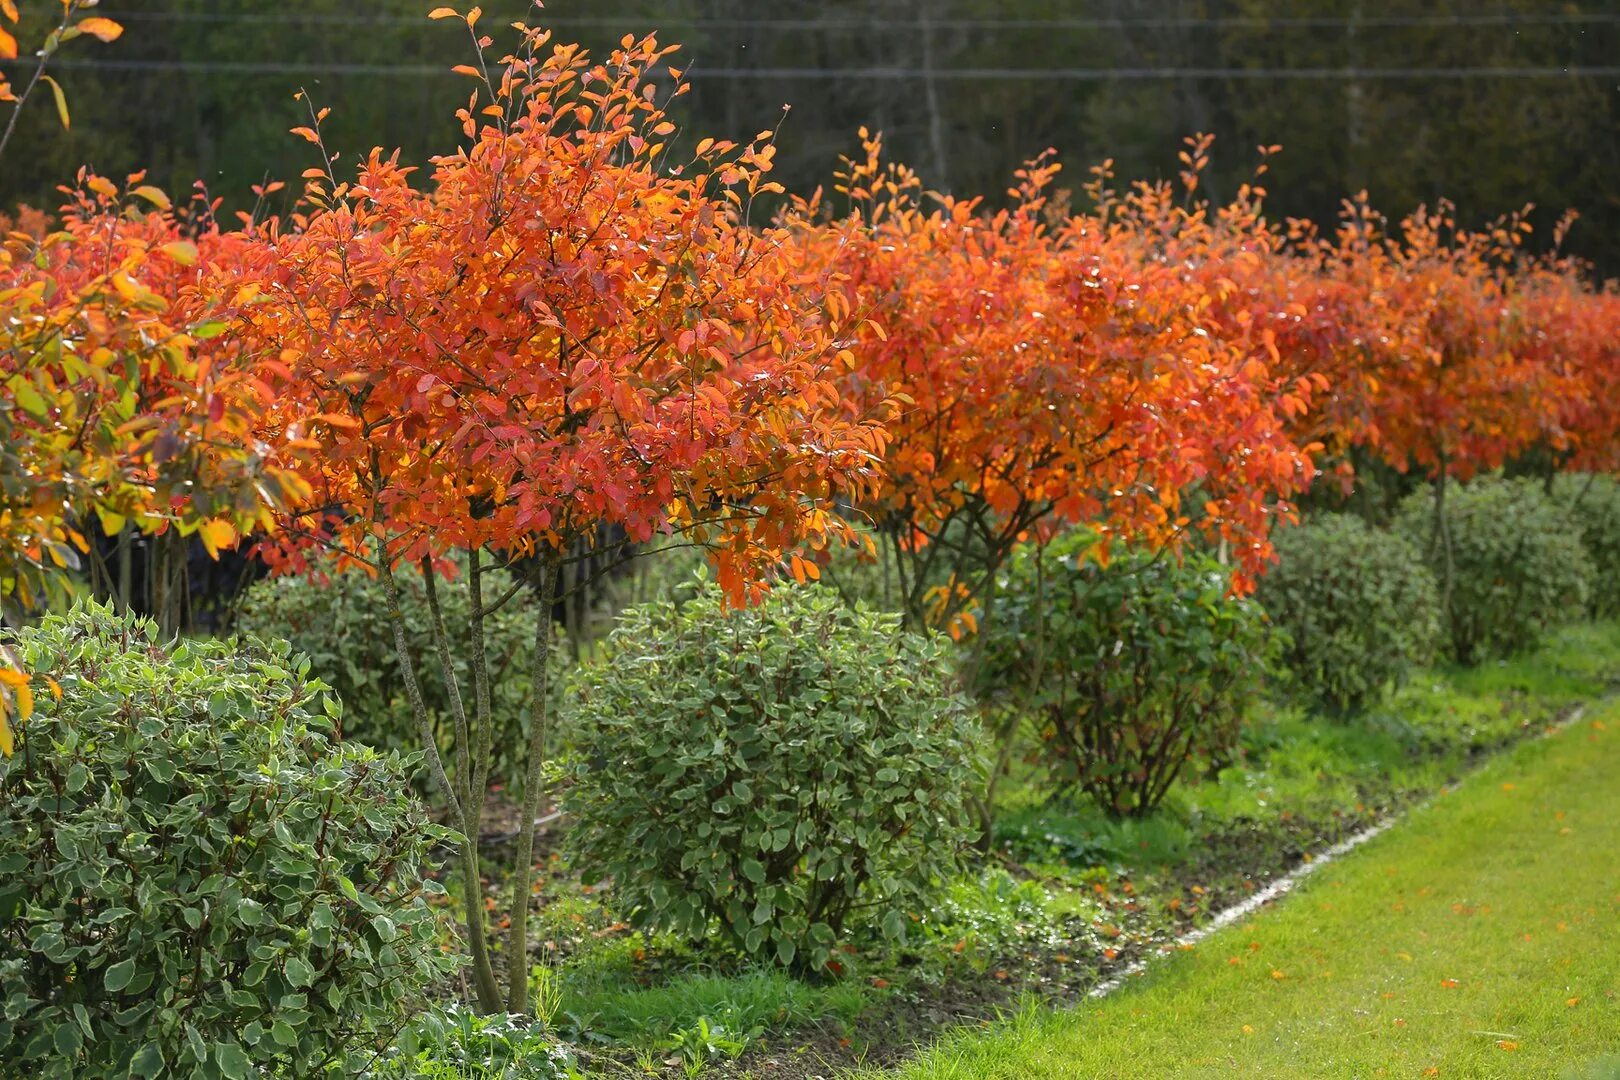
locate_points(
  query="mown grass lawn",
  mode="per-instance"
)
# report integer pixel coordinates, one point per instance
(1479, 938)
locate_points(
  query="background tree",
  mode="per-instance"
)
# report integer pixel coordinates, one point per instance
(1519, 106)
(112, 416)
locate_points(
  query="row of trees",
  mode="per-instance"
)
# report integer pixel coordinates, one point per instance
(577, 334)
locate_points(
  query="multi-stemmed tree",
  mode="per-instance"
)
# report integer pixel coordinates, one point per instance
(568, 327)
(1039, 370)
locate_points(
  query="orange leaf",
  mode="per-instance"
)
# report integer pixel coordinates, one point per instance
(103, 28)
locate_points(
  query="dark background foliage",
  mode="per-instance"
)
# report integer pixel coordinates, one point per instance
(1491, 104)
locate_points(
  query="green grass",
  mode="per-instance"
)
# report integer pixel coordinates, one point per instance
(742, 1003)
(625, 995)
(1480, 938)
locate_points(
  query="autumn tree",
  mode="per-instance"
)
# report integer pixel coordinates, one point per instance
(1041, 369)
(111, 416)
(569, 327)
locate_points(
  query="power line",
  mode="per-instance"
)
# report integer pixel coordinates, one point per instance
(970, 74)
(1509, 19)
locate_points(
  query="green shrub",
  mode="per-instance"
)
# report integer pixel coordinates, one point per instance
(193, 881)
(774, 771)
(1359, 605)
(1594, 503)
(342, 625)
(1130, 671)
(1514, 566)
(458, 1044)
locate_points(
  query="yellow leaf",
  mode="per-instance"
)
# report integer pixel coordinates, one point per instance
(56, 687)
(217, 533)
(28, 397)
(10, 10)
(13, 678)
(25, 702)
(8, 46)
(6, 743)
(444, 13)
(61, 101)
(112, 524)
(103, 28)
(183, 252)
(154, 195)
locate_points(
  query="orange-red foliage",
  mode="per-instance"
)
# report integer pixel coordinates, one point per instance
(560, 331)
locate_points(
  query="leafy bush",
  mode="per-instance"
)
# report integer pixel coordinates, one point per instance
(1131, 670)
(194, 882)
(342, 625)
(458, 1044)
(1359, 606)
(772, 770)
(1514, 563)
(1593, 501)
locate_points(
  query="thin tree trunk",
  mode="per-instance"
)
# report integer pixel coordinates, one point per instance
(489, 995)
(126, 570)
(517, 991)
(1441, 540)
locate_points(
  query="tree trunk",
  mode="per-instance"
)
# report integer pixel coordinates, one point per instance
(464, 813)
(517, 990)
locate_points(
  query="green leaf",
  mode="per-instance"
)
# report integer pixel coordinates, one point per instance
(299, 973)
(67, 1039)
(147, 1062)
(118, 975)
(233, 1062)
